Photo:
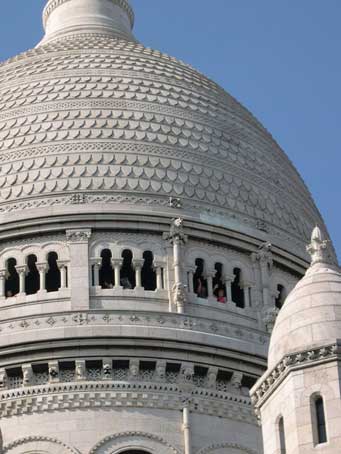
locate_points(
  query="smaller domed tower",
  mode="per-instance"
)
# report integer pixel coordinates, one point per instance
(298, 398)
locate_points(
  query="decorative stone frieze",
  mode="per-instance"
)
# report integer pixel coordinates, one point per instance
(46, 398)
(266, 385)
(106, 445)
(78, 236)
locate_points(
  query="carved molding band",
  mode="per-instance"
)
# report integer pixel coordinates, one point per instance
(123, 394)
(107, 442)
(143, 319)
(265, 386)
(53, 4)
(212, 448)
(52, 444)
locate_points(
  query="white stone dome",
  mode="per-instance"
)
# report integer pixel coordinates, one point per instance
(90, 117)
(311, 315)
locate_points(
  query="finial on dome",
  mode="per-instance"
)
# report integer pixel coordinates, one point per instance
(62, 18)
(318, 247)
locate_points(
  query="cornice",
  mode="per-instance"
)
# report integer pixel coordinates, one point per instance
(53, 4)
(109, 394)
(299, 360)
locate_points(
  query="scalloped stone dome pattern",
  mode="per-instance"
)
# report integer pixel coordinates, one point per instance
(114, 121)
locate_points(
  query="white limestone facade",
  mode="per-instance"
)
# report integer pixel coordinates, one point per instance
(298, 399)
(150, 230)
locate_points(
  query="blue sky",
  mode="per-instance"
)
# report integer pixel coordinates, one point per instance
(281, 59)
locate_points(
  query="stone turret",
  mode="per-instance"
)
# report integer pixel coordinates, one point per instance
(298, 398)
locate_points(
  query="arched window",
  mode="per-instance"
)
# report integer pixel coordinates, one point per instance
(12, 279)
(280, 296)
(238, 296)
(148, 274)
(53, 274)
(135, 451)
(127, 270)
(32, 281)
(199, 281)
(320, 418)
(281, 434)
(106, 272)
(219, 288)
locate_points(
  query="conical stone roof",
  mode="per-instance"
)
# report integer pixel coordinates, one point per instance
(92, 118)
(311, 315)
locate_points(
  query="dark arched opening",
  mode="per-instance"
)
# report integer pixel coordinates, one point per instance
(280, 296)
(106, 272)
(148, 275)
(281, 433)
(321, 428)
(53, 273)
(32, 281)
(12, 279)
(219, 288)
(127, 270)
(238, 296)
(135, 451)
(199, 281)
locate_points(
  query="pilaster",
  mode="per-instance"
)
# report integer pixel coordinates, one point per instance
(78, 241)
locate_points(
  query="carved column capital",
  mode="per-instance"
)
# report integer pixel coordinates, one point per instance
(116, 262)
(21, 269)
(176, 233)
(138, 263)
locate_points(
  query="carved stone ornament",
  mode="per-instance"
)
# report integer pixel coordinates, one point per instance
(269, 318)
(176, 232)
(318, 247)
(180, 295)
(78, 236)
(264, 254)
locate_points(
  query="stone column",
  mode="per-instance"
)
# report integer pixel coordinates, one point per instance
(246, 286)
(138, 264)
(96, 263)
(63, 271)
(212, 377)
(27, 374)
(42, 268)
(187, 429)
(80, 370)
(190, 274)
(264, 257)
(158, 269)
(3, 379)
(2, 283)
(177, 238)
(228, 279)
(79, 279)
(116, 264)
(209, 277)
(22, 275)
(53, 372)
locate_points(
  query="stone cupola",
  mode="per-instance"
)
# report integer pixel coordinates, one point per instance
(298, 398)
(113, 18)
